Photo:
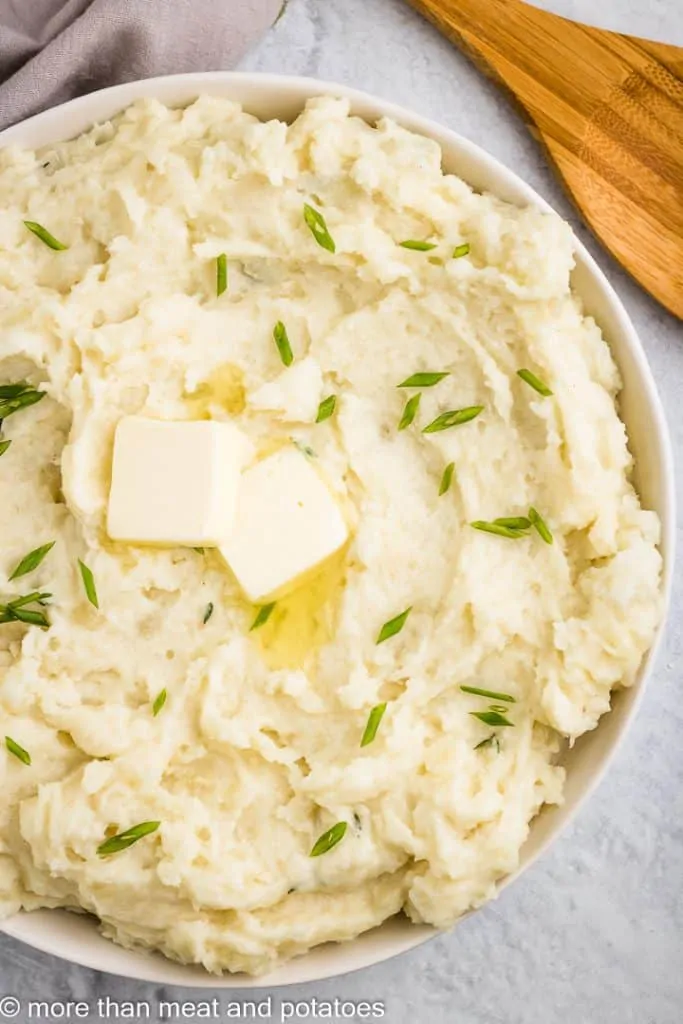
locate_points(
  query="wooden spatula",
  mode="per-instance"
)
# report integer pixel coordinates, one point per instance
(609, 110)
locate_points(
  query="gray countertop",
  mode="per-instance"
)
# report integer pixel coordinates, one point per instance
(593, 933)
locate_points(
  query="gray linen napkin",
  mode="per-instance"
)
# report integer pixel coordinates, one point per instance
(53, 50)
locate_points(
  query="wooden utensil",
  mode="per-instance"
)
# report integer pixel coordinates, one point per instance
(609, 110)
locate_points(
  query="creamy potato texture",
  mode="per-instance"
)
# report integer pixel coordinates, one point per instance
(257, 752)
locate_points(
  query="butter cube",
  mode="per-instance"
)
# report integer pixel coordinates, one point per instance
(175, 483)
(288, 523)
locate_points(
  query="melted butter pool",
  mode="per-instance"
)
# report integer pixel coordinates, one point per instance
(305, 620)
(224, 387)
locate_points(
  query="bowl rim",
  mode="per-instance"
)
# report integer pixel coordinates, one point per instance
(101, 105)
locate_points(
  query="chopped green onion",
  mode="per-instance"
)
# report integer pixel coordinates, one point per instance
(446, 478)
(498, 529)
(488, 742)
(316, 222)
(14, 397)
(31, 561)
(14, 390)
(410, 411)
(16, 611)
(534, 382)
(30, 618)
(461, 250)
(18, 751)
(221, 273)
(393, 626)
(282, 342)
(423, 380)
(44, 235)
(89, 584)
(35, 596)
(374, 719)
(262, 616)
(514, 522)
(492, 718)
(127, 838)
(159, 702)
(491, 694)
(326, 408)
(208, 613)
(539, 524)
(4, 445)
(329, 839)
(453, 418)
(410, 243)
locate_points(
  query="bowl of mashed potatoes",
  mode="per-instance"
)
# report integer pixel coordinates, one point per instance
(336, 528)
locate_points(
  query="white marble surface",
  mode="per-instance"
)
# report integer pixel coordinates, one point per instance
(593, 934)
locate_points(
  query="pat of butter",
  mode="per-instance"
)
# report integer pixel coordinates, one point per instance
(175, 483)
(288, 523)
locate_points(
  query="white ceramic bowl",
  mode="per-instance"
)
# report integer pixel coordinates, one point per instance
(75, 938)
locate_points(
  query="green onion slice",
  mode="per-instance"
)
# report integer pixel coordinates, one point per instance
(17, 750)
(535, 382)
(35, 596)
(490, 741)
(31, 561)
(498, 529)
(282, 341)
(221, 273)
(409, 412)
(326, 408)
(490, 694)
(262, 616)
(25, 615)
(14, 397)
(329, 839)
(393, 626)
(417, 246)
(492, 718)
(514, 522)
(453, 418)
(446, 478)
(127, 838)
(423, 380)
(374, 719)
(540, 525)
(44, 235)
(159, 702)
(89, 584)
(318, 227)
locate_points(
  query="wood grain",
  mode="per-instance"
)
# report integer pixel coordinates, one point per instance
(609, 110)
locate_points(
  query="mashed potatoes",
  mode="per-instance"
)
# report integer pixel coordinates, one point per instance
(256, 752)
